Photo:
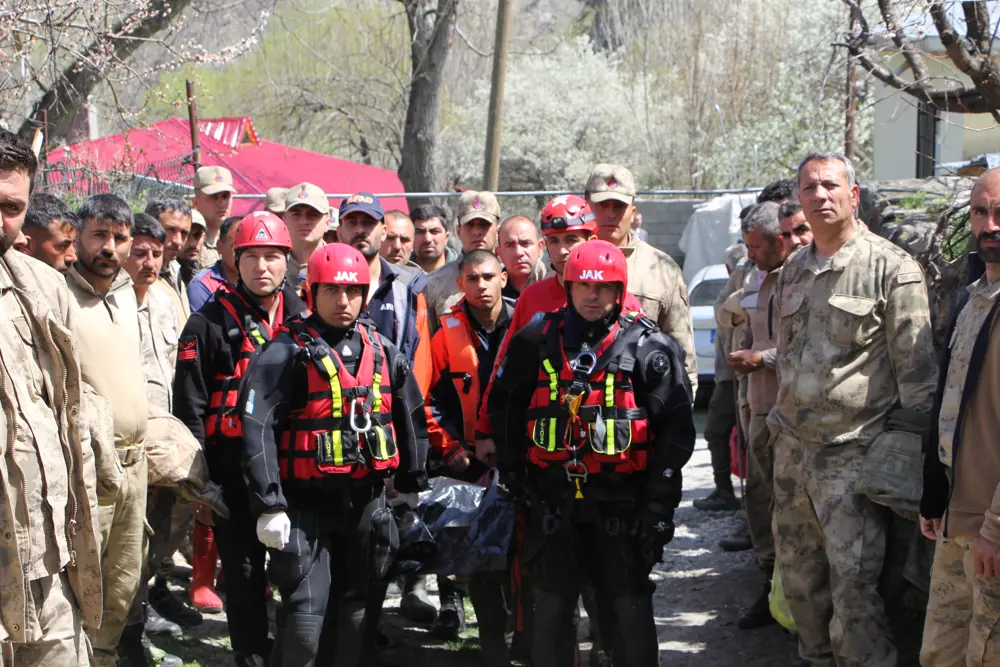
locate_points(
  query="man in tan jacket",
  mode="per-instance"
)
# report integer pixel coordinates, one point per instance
(50, 588)
(962, 457)
(108, 338)
(213, 198)
(653, 277)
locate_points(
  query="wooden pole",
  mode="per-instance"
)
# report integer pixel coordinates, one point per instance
(193, 121)
(494, 123)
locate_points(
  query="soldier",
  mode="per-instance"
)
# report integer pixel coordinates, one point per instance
(398, 244)
(330, 411)
(221, 275)
(593, 422)
(656, 279)
(961, 473)
(213, 352)
(307, 216)
(50, 584)
(755, 358)
(51, 230)
(430, 238)
(854, 346)
(795, 229)
(213, 198)
(520, 250)
(722, 405)
(478, 217)
(109, 321)
(175, 216)
(158, 331)
(274, 200)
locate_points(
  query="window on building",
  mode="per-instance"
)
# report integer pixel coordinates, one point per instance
(927, 123)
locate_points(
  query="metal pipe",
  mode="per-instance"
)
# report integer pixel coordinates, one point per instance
(725, 140)
(528, 193)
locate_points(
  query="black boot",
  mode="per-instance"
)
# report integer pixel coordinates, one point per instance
(134, 650)
(758, 614)
(415, 603)
(723, 499)
(157, 625)
(170, 607)
(451, 618)
(738, 541)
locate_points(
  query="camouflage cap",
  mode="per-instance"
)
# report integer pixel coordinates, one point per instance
(198, 219)
(212, 180)
(610, 181)
(474, 205)
(274, 200)
(309, 195)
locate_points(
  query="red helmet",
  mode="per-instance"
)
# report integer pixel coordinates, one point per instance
(596, 262)
(262, 229)
(338, 264)
(568, 213)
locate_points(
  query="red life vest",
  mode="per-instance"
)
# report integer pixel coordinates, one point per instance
(345, 431)
(463, 365)
(249, 335)
(583, 414)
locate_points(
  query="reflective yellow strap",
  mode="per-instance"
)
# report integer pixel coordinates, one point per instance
(377, 392)
(338, 412)
(609, 401)
(383, 448)
(255, 334)
(550, 441)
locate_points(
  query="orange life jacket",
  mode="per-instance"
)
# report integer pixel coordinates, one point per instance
(344, 432)
(249, 335)
(583, 414)
(463, 362)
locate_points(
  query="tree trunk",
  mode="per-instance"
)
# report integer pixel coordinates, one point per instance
(66, 96)
(430, 29)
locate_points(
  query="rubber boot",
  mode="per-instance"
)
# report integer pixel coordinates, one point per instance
(415, 604)
(553, 639)
(300, 640)
(203, 595)
(491, 615)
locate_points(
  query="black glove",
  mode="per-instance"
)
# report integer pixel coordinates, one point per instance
(654, 528)
(410, 482)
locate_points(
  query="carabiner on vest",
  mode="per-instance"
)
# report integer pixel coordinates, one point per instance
(357, 407)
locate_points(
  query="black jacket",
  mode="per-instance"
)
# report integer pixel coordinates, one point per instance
(665, 395)
(276, 384)
(207, 349)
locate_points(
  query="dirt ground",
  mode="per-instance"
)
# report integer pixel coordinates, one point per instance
(699, 593)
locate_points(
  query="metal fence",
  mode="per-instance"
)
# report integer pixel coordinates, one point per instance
(74, 182)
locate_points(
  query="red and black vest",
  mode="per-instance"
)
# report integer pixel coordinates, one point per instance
(247, 334)
(583, 414)
(344, 432)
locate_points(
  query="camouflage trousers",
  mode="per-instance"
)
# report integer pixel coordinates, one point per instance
(962, 628)
(830, 544)
(123, 531)
(758, 496)
(53, 624)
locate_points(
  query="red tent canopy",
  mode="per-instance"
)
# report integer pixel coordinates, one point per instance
(157, 151)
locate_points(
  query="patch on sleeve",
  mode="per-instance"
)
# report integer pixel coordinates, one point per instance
(187, 348)
(906, 278)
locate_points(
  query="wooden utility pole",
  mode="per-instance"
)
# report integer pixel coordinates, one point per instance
(494, 123)
(852, 97)
(193, 122)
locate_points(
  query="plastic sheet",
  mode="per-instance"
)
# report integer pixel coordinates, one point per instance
(778, 604)
(457, 528)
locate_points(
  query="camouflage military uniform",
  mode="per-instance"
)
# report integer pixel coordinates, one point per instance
(855, 340)
(963, 612)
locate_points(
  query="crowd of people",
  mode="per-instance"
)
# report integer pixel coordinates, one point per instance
(329, 365)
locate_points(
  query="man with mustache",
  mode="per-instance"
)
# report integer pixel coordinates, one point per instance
(795, 229)
(854, 357)
(430, 238)
(959, 508)
(107, 336)
(51, 229)
(175, 216)
(213, 198)
(398, 244)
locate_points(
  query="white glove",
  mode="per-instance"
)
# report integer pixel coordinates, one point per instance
(273, 530)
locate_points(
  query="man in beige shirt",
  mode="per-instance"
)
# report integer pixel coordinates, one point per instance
(307, 215)
(110, 357)
(653, 276)
(213, 198)
(50, 587)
